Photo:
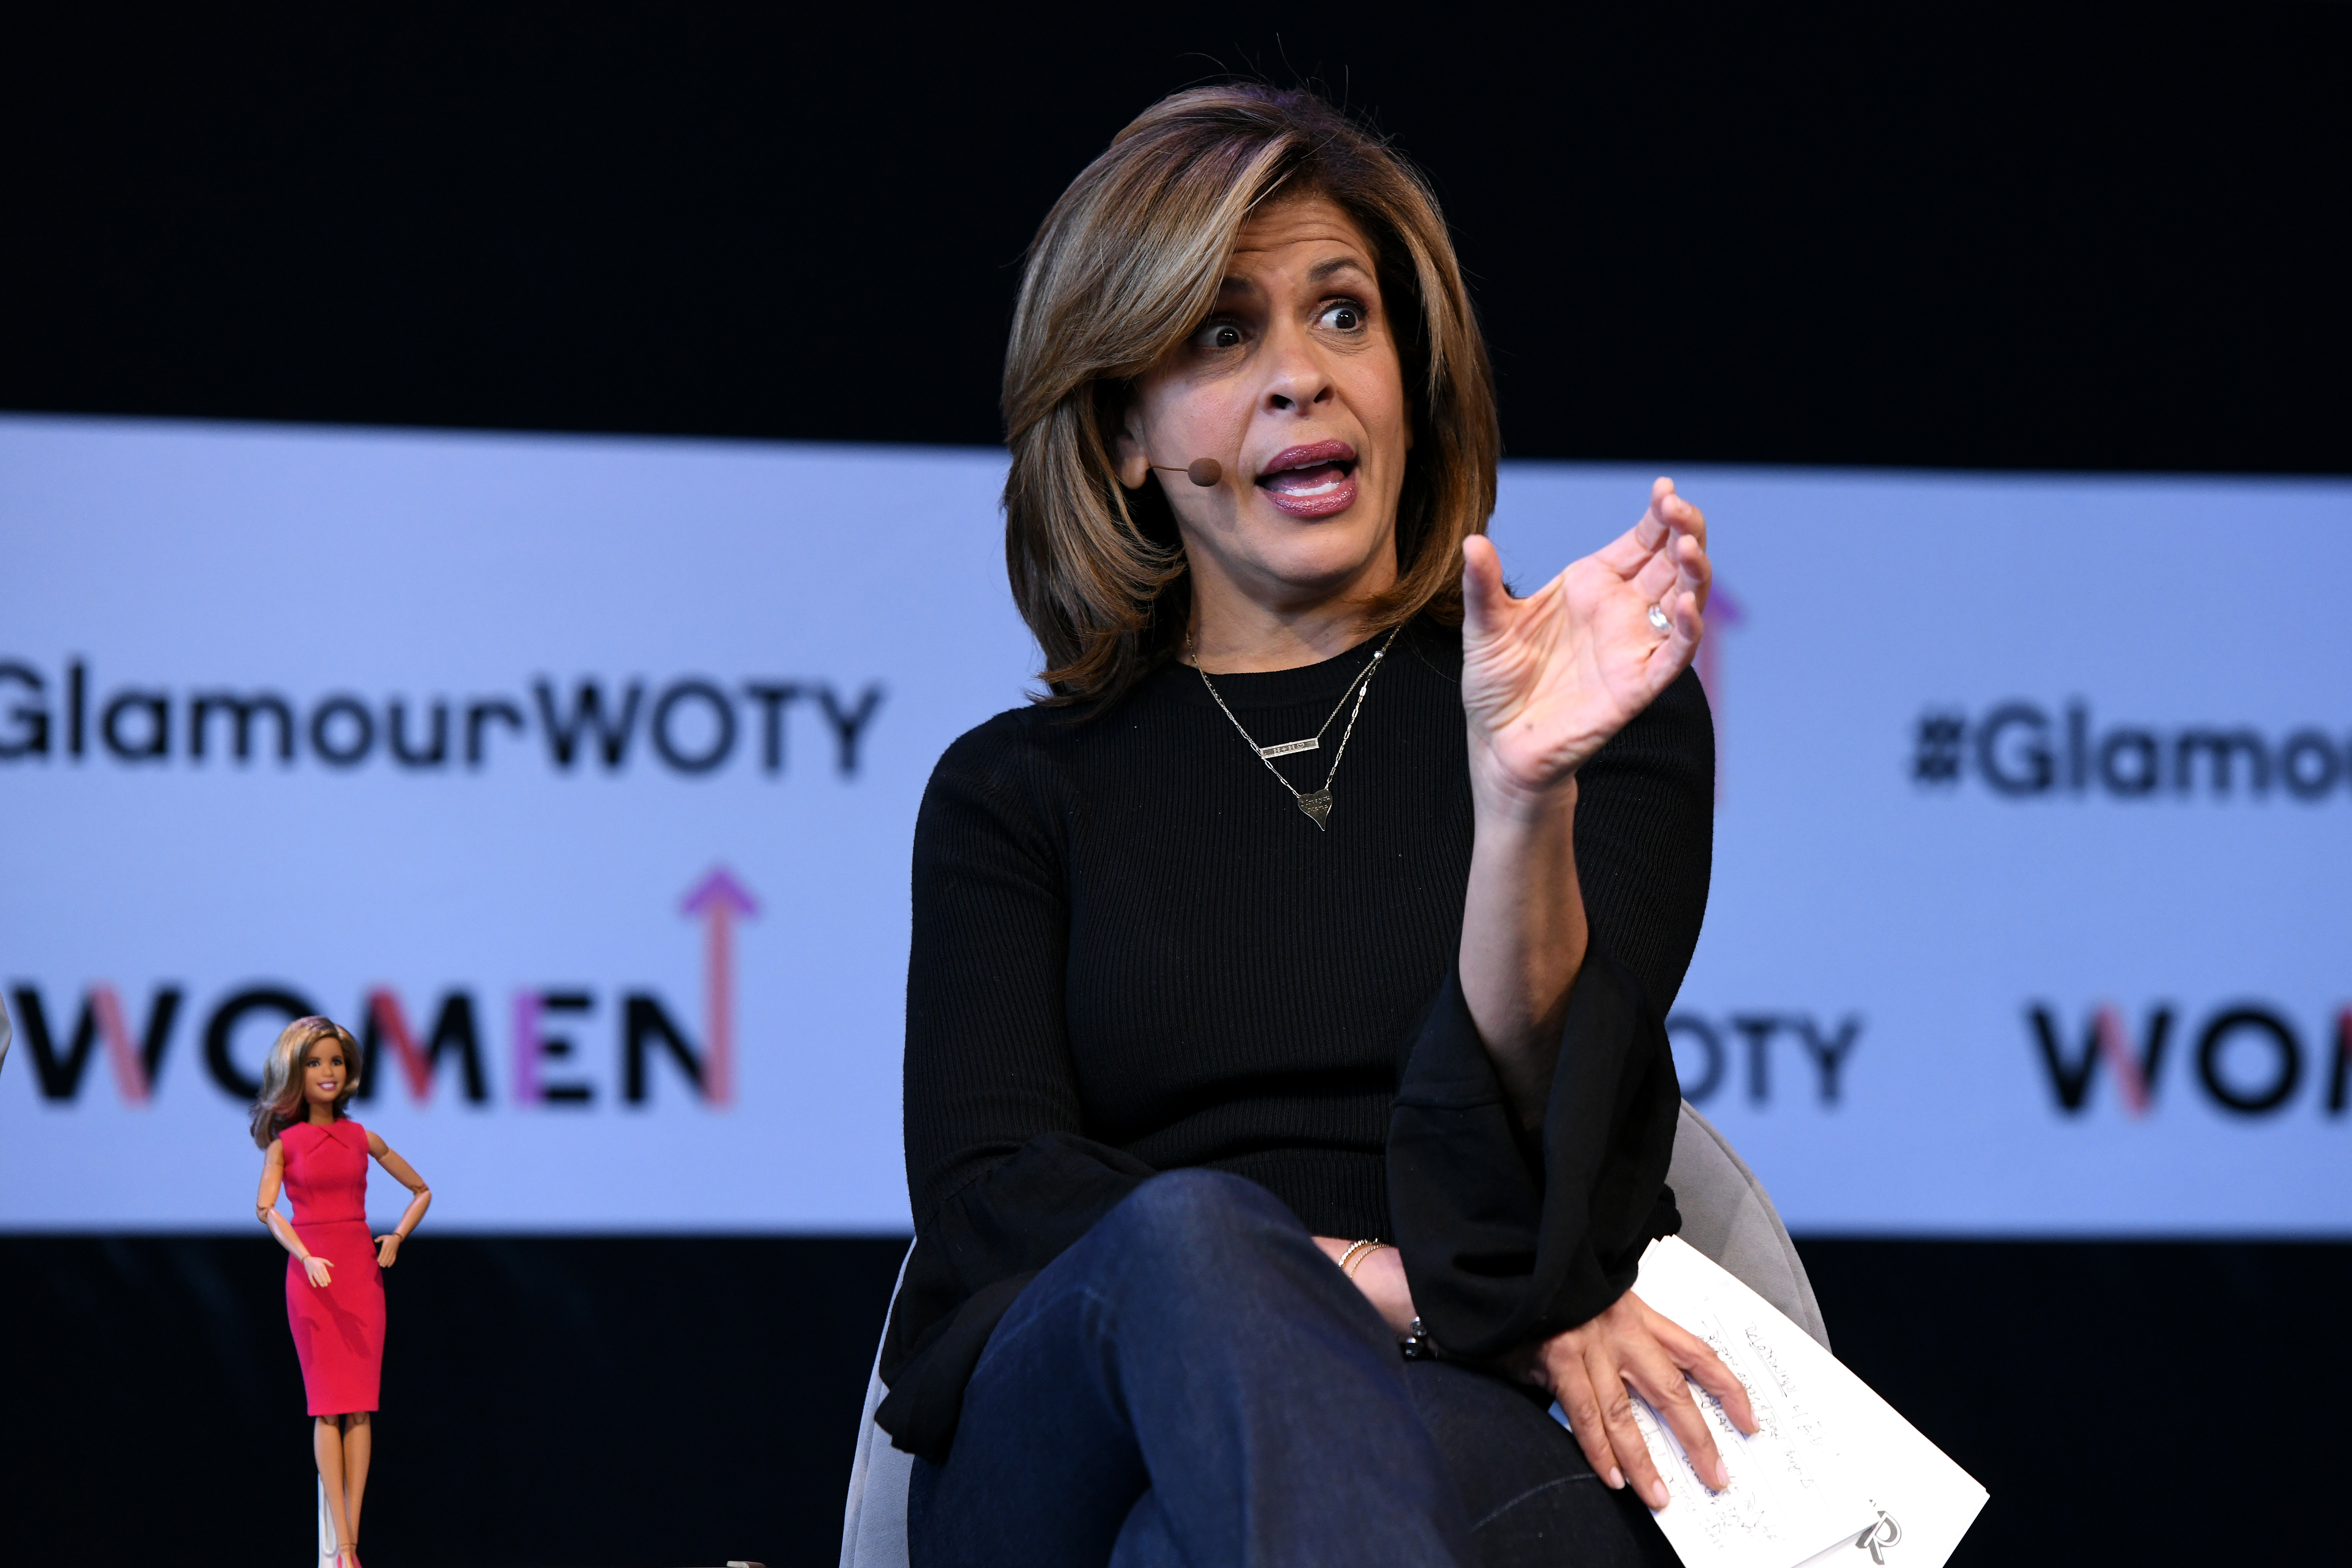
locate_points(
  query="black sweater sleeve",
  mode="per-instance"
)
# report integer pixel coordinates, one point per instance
(1001, 1179)
(1504, 1242)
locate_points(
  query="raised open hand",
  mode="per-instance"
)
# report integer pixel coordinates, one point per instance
(1549, 678)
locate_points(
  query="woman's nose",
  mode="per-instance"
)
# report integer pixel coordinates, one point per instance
(1296, 378)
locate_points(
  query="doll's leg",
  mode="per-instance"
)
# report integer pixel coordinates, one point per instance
(359, 1442)
(327, 1442)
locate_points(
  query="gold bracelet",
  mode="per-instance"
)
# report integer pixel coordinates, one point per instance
(1354, 1257)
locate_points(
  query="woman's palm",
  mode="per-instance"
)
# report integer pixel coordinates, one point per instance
(1548, 679)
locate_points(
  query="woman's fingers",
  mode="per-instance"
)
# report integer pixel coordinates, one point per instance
(1573, 1387)
(1631, 551)
(1692, 567)
(1678, 512)
(1686, 625)
(1483, 593)
(1676, 580)
(1681, 561)
(1661, 656)
(1649, 530)
(1657, 1378)
(1696, 1360)
(1625, 1438)
(1667, 515)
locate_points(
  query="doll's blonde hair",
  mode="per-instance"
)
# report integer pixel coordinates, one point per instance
(279, 1104)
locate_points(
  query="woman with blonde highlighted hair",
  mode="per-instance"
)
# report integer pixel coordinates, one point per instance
(334, 1270)
(1287, 1100)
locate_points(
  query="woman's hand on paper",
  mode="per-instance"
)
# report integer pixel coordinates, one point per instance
(1595, 1369)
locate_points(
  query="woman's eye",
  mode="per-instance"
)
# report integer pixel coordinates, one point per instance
(1218, 335)
(1344, 316)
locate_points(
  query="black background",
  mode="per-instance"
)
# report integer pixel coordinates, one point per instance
(618, 1400)
(2068, 238)
(1967, 235)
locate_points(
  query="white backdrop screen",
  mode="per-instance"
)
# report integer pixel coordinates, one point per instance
(577, 776)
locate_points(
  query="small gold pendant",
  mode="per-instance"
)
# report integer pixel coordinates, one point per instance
(1317, 804)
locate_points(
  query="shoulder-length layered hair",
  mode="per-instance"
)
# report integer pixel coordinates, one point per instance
(1127, 265)
(279, 1104)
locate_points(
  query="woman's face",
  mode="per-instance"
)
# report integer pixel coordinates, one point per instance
(322, 1072)
(1294, 385)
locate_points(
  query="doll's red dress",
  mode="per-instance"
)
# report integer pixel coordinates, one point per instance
(337, 1330)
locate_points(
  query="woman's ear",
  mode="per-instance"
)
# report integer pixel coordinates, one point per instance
(1134, 458)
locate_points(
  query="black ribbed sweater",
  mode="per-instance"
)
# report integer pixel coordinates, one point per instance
(1133, 952)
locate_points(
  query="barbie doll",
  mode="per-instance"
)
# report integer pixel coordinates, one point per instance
(334, 1280)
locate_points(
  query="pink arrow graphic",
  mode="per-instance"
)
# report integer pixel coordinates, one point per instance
(1723, 612)
(719, 898)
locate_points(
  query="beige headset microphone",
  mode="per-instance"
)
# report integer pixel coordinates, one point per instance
(1204, 472)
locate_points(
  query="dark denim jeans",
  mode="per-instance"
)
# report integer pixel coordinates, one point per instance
(1195, 1384)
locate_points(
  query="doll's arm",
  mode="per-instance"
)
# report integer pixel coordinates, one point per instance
(420, 1199)
(265, 1209)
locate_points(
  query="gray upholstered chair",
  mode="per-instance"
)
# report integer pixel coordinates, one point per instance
(1725, 1215)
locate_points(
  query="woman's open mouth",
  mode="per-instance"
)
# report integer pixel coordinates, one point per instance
(1311, 481)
